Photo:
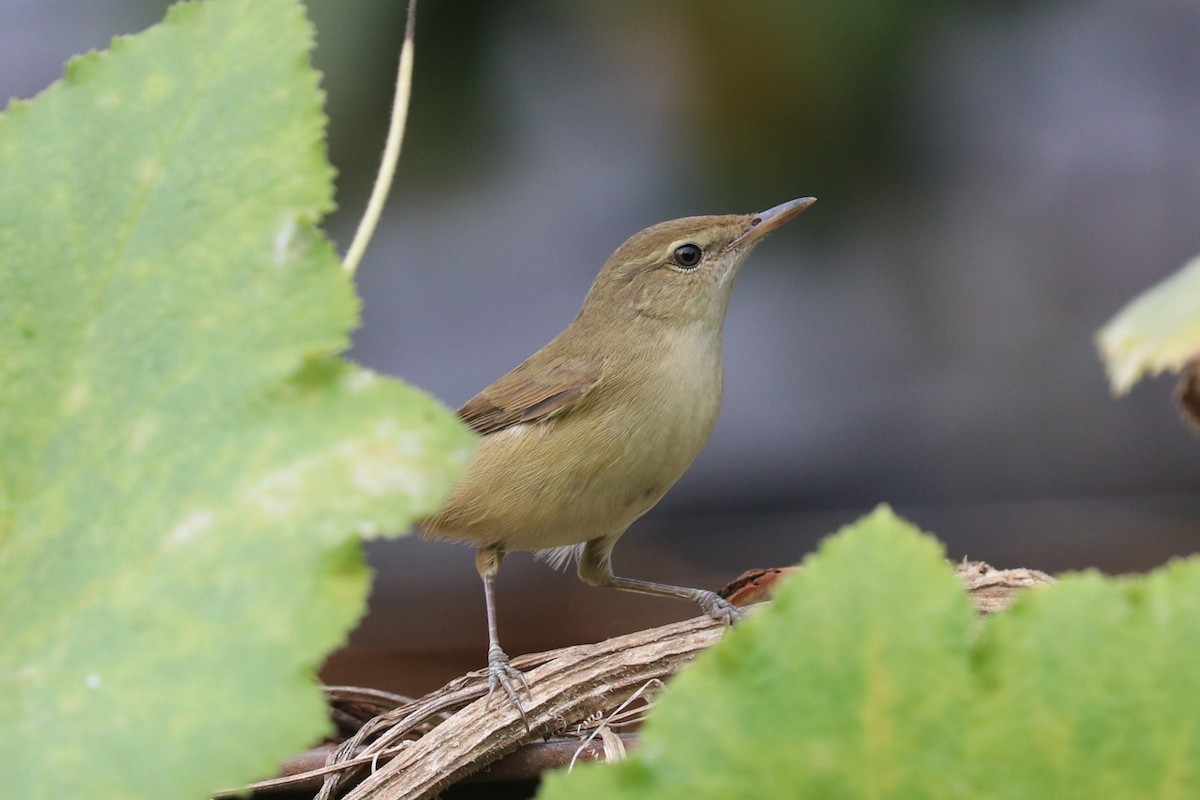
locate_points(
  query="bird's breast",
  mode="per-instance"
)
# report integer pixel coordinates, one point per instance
(592, 470)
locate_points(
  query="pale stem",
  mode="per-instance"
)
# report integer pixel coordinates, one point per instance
(391, 150)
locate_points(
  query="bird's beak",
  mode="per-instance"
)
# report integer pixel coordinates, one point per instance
(763, 223)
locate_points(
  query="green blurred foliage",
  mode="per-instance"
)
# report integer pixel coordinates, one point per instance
(779, 93)
(802, 93)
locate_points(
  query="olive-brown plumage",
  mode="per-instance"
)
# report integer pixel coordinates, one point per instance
(588, 433)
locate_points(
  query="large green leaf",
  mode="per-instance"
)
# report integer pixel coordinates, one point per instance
(1090, 689)
(1159, 331)
(183, 463)
(870, 678)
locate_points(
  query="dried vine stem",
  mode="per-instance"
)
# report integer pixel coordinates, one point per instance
(568, 687)
(994, 589)
(424, 745)
(391, 149)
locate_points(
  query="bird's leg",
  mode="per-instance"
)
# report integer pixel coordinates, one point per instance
(500, 672)
(595, 567)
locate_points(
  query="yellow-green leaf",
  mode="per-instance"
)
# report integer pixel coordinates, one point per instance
(183, 460)
(1157, 332)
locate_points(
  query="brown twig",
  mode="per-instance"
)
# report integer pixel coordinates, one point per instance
(1188, 394)
(572, 686)
(994, 589)
(421, 746)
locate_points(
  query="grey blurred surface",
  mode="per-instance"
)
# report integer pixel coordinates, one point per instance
(1009, 175)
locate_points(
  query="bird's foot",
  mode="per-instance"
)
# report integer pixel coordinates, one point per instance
(720, 609)
(503, 675)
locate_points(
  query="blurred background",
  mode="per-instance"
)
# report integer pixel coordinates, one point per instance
(996, 179)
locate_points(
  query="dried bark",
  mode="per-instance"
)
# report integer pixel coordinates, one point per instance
(422, 746)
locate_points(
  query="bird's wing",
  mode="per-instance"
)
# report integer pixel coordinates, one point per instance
(534, 390)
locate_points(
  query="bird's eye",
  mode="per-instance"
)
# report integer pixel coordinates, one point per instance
(687, 256)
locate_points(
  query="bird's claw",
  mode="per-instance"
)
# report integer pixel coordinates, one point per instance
(721, 609)
(503, 675)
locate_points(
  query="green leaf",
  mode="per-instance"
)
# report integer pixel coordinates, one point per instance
(869, 678)
(1157, 332)
(1090, 689)
(833, 691)
(183, 462)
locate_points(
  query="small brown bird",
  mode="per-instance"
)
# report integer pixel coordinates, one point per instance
(591, 431)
